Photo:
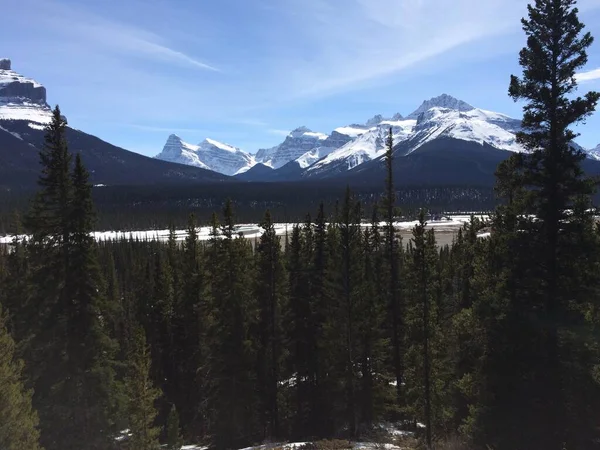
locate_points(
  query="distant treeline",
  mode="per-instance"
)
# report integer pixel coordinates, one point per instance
(134, 208)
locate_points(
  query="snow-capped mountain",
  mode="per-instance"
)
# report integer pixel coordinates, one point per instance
(443, 101)
(21, 98)
(367, 144)
(296, 144)
(439, 117)
(594, 153)
(208, 154)
(24, 113)
(477, 125)
(314, 154)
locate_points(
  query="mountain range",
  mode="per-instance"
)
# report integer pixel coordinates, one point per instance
(307, 154)
(444, 141)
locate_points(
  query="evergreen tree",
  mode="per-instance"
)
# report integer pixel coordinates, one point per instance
(142, 395)
(299, 336)
(371, 309)
(231, 402)
(190, 338)
(539, 304)
(322, 423)
(172, 430)
(269, 292)
(90, 388)
(392, 258)
(18, 419)
(46, 309)
(421, 326)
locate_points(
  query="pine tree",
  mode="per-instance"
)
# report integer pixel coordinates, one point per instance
(321, 293)
(172, 430)
(45, 310)
(18, 419)
(343, 308)
(142, 395)
(269, 292)
(298, 337)
(90, 385)
(371, 309)
(421, 325)
(190, 339)
(392, 257)
(539, 306)
(232, 401)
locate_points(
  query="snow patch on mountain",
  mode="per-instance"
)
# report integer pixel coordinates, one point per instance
(296, 144)
(594, 153)
(352, 130)
(443, 101)
(476, 125)
(21, 98)
(209, 154)
(15, 134)
(367, 146)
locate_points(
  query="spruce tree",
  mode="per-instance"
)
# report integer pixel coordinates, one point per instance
(141, 394)
(18, 419)
(172, 430)
(392, 258)
(269, 292)
(541, 305)
(191, 322)
(90, 388)
(299, 336)
(232, 400)
(421, 326)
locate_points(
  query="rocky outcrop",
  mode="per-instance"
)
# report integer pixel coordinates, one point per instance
(296, 144)
(443, 101)
(336, 140)
(15, 88)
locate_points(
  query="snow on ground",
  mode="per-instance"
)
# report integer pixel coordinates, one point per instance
(254, 231)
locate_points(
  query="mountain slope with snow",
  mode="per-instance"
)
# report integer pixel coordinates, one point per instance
(365, 147)
(21, 98)
(23, 116)
(296, 144)
(594, 153)
(208, 154)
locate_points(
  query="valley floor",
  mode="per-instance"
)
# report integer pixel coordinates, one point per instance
(445, 229)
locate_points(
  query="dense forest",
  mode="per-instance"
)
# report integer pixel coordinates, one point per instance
(491, 343)
(157, 207)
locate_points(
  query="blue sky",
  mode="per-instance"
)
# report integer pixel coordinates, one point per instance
(246, 72)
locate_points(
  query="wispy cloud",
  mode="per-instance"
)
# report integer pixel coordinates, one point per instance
(278, 132)
(99, 32)
(162, 129)
(588, 76)
(250, 122)
(322, 48)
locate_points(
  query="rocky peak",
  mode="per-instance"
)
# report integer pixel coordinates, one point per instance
(173, 138)
(442, 101)
(299, 132)
(375, 120)
(15, 88)
(397, 117)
